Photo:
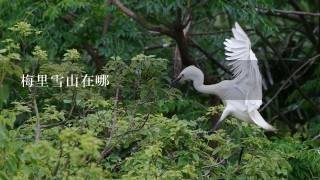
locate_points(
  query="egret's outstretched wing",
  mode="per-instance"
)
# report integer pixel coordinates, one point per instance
(244, 67)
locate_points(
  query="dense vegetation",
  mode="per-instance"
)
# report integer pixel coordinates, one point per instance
(131, 123)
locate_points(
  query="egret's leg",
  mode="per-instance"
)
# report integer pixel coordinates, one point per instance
(241, 135)
(239, 125)
(224, 114)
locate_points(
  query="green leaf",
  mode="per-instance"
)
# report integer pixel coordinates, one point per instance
(67, 101)
(143, 94)
(11, 164)
(14, 56)
(4, 93)
(4, 176)
(3, 51)
(195, 156)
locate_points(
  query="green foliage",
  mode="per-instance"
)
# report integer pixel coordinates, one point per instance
(9, 70)
(148, 129)
(163, 148)
(145, 144)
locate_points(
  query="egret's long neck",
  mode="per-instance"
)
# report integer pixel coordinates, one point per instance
(206, 89)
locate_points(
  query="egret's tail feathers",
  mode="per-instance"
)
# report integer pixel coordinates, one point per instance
(258, 119)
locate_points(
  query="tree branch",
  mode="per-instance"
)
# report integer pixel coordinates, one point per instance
(214, 61)
(181, 39)
(127, 132)
(282, 116)
(147, 48)
(289, 79)
(307, 26)
(177, 65)
(73, 104)
(35, 106)
(107, 20)
(316, 137)
(216, 32)
(142, 21)
(294, 82)
(98, 60)
(287, 12)
(108, 143)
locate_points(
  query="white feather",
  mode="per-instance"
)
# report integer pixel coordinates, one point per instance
(245, 65)
(242, 96)
(258, 119)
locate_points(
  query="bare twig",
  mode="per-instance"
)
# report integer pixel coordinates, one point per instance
(292, 17)
(216, 32)
(147, 48)
(287, 12)
(181, 39)
(107, 146)
(216, 164)
(283, 117)
(175, 31)
(289, 79)
(73, 104)
(306, 25)
(35, 106)
(177, 57)
(53, 124)
(287, 70)
(131, 126)
(142, 21)
(210, 57)
(127, 132)
(107, 20)
(29, 104)
(316, 137)
(55, 171)
(130, 130)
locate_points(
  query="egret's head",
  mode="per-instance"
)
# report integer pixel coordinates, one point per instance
(190, 73)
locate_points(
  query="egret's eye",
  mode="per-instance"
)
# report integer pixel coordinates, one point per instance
(182, 75)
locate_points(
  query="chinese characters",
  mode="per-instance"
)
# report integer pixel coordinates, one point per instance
(42, 80)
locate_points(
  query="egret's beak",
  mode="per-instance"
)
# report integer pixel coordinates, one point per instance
(175, 82)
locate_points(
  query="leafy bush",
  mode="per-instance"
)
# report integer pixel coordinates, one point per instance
(140, 141)
(137, 126)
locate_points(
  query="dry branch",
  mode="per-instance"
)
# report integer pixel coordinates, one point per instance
(142, 21)
(286, 69)
(287, 12)
(289, 79)
(113, 126)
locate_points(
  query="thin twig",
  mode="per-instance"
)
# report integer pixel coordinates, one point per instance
(147, 48)
(142, 21)
(216, 164)
(35, 106)
(73, 104)
(306, 25)
(194, 44)
(316, 137)
(107, 20)
(177, 64)
(107, 146)
(287, 70)
(287, 12)
(289, 79)
(29, 104)
(59, 161)
(127, 132)
(130, 130)
(216, 32)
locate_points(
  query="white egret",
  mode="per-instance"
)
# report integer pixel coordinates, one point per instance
(241, 96)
